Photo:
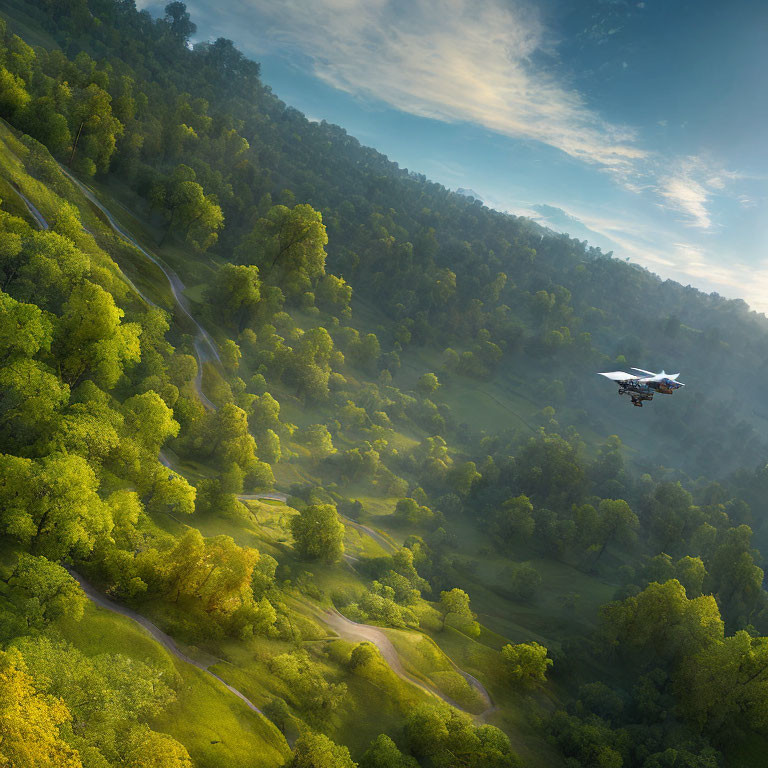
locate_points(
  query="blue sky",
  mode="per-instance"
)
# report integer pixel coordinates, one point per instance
(639, 126)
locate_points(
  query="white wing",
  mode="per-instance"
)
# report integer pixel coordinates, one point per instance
(618, 376)
(642, 370)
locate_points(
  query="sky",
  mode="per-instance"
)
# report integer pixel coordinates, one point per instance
(640, 126)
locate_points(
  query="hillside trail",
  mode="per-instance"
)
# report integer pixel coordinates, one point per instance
(35, 213)
(353, 630)
(343, 626)
(205, 347)
(43, 224)
(161, 637)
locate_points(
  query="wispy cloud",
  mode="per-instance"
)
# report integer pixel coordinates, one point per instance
(690, 187)
(457, 61)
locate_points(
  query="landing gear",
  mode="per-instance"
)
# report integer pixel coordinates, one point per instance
(637, 402)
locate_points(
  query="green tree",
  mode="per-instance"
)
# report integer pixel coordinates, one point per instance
(661, 625)
(526, 664)
(238, 288)
(428, 383)
(616, 522)
(318, 533)
(177, 16)
(24, 329)
(455, 604)
(383, 753)
(514, 521)
(190, 211)
(318, 440)
(31, 398)
(92, 341)
(95, 129)
(314, 750)
(288, 246)
(149, 420)
(723, 688)
(42, 591)
(52, 504)
(443, 737)
(13, 94)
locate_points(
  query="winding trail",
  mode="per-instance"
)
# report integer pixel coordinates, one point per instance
(36, 215)
(205, 347)
(43, 224)
(206, 350)
(352, 630)
(164, 639)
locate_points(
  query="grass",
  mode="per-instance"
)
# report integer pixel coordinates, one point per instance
(216, 727)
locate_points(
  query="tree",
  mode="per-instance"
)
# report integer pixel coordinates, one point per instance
(671, 514)
(163, 490)
(514, 521)
(52, 504)
(318, 533)
(318, 440)
(443, 737)
(616, 523)
(230, 356)
(463, 477)
(455, 603)
(92, 341)
(149, 420)
(383, 753)
(288, 245)
(309, 690)
(724, 686)
(227, 438)
(31, 398)
(314, 750)
(526, 664)
(411, 512)
(24, 329)
(691, 573)
(428, 383)
(42, 591)
(524, 582)
(661, 625)
(141, 747)
(189, 210)
(177, 16)
(334, 294)
(94, 127)
(30, 722)
(278, 712)
(238, 288)
(734, 575)
(13, 94)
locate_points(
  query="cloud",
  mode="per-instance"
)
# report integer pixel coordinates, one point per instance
(456, 61)
(691, 186)
(689, 197)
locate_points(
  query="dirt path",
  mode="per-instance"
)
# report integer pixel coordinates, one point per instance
(164, 639)
(36, 215)
(206, 350)
(205, 347)
(352, 630)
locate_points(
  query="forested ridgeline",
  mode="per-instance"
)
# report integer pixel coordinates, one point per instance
(184, 335)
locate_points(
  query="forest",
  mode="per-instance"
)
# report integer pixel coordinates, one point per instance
(303, 462)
